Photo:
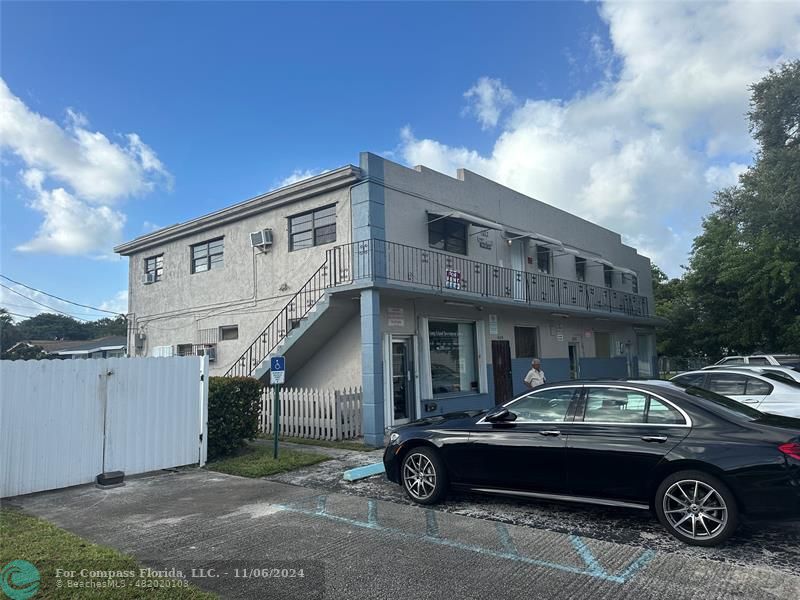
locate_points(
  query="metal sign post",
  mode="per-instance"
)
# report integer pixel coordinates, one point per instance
(277, 376)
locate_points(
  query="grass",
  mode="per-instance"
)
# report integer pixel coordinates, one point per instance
(257, 461)
(47, 547)
(341, 445)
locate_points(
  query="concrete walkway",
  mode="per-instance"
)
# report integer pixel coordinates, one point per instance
(355, 547)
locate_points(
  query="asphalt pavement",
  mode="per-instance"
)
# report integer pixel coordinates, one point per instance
(255, 536)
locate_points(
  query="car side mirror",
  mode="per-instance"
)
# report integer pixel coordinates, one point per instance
(500, 415)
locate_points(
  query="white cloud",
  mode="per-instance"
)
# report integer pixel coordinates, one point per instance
(117, 304)
(299, 175)
(487, 100)
(76, 176)
(641, 153)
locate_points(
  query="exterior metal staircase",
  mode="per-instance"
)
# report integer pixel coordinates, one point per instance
(306, 300)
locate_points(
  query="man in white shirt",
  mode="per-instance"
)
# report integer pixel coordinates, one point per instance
(535, 376)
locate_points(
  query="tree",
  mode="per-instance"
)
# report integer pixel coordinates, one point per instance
(745, 266)
(673, 302)
(8, 331)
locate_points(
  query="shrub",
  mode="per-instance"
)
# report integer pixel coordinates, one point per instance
(233, 405)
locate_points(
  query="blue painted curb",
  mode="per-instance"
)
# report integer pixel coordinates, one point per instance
(363, 472)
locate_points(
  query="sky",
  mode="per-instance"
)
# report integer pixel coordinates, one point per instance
(120, 118)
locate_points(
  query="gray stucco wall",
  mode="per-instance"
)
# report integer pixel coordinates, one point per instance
(248, 291)
(410, 192)
(336, 365)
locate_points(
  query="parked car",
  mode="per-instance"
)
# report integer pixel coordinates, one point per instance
(787, 373)
(786, 360)
(638, 444)
(767, 392)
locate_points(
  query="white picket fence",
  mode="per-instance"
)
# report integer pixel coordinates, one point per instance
(313, 413)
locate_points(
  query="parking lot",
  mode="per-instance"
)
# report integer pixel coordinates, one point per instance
(364, 540)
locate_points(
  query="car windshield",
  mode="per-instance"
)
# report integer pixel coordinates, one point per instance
(728, 404)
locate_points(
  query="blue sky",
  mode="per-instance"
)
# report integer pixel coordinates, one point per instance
(116, 118)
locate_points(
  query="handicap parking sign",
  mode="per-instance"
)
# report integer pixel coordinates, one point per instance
(277, 370)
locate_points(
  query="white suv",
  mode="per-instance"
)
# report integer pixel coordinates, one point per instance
(758, 360)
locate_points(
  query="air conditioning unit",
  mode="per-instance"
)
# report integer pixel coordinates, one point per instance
(261, 239)
(209, 351)
(149, 277)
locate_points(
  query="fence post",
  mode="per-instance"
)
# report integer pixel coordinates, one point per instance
(337, 416)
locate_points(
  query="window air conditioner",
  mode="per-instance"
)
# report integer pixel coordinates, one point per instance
(261, 239)
(209, 351)
(149, 277)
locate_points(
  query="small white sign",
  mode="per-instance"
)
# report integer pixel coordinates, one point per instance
(397, 322)
(560, 337)
(492, 324)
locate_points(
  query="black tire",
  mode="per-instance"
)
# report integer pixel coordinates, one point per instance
(694, 501)
(423, 476)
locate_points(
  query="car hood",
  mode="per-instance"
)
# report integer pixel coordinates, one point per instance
(454, 419)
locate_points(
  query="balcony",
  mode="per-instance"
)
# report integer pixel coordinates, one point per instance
(379, 260)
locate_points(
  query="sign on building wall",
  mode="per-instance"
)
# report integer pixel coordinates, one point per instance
(452, 279)
(492, 324)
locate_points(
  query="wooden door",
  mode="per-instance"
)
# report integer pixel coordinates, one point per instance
(501, 363)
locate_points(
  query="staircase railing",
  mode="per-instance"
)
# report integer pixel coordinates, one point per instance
(288, 318)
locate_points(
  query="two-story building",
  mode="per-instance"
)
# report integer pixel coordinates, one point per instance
(431, 293)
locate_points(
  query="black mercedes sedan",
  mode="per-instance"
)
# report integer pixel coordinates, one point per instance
(698, 459)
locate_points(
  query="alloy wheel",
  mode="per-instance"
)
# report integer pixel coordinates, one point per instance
(695, 509)
(419, 476)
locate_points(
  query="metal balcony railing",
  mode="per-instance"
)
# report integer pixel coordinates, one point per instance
(419, 267)
(379, 260)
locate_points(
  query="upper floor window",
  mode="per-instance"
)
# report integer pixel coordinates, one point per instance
(608, 276)
(580, 268)
(634, 284)
(544, 259)
(312, 228)
(449, 235)
(207, 255)
(229, 332)
(154, 265)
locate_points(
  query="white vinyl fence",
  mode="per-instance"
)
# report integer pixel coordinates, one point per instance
(63, 422)
(313, 413)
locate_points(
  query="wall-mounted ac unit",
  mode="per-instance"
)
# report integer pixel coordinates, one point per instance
(149, 277)
(261, 239)
(210, 351)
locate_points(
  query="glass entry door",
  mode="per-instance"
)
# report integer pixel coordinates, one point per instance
(403, 396)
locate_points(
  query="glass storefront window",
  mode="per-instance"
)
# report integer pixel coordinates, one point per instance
(453, 357)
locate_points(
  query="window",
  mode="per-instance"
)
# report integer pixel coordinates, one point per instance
(207, 255)
(229, 332)
(580, 268)
(185, 350)
(544, 259)
(758, 360)
(727, 384)
(756, 387)
(525, 342)
(664, 414)
(454, 362)
(687, 380)
(734, 360)
(610, 405)
(602, 344)
(449, 235)
(614, 405)
(608, 276)
(155, 265)
(547, 405)
(312, 228)
(634, 284)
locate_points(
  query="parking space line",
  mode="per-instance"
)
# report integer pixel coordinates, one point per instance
(505, 539)
(509, 551)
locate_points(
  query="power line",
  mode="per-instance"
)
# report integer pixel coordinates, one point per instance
(10, 289)
(110, 312)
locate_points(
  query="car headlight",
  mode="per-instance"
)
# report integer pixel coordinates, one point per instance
(393, 437)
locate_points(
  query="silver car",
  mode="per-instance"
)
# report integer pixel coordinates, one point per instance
(787, 373)
(761, 360)
(767, 392)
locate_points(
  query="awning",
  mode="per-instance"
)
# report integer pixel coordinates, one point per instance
(466, 217)
(511, 233)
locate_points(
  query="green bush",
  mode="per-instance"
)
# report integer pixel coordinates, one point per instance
(233, 405)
